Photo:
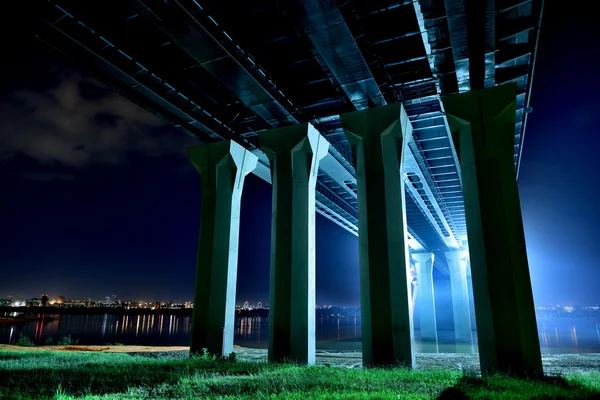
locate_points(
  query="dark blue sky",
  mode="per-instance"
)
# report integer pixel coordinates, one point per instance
(97, 196)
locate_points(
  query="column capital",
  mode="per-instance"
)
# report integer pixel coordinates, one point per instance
(479, 112)
(207, 156)
(457, 258)
(389, 120)
(424, 260)
(299, 137)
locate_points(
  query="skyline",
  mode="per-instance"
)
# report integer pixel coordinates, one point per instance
(97, 191)
(252, 303)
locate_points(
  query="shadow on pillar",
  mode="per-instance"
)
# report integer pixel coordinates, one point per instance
(483, 126)
(294, 153)
(222, 167)
(378, 138)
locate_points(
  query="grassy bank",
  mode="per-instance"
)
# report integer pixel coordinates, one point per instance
(55, 375)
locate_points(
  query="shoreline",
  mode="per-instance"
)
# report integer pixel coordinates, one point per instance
(554, 364)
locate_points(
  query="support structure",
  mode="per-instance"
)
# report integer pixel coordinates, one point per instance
(378, 138)
(294, 153)
(457, 266)
(483, 126)
(426, 302)
(222, 167)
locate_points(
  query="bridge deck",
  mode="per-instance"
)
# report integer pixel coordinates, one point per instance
(229, 69)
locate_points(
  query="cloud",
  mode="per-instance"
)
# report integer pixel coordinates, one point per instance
(62, 126)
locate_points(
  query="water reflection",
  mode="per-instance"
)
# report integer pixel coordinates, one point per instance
(104, 325)
(251, 331)
(544, 337)
(333, 332)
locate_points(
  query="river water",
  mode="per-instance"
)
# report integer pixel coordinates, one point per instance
(333, 333)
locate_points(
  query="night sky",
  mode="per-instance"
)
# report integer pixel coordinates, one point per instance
(97, 196)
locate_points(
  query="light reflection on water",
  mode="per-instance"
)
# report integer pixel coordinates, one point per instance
(342, 333)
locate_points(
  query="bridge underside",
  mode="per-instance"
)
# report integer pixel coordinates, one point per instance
(222, 70)
(228, 70)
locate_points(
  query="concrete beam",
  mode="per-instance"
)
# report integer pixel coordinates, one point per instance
(411, 165)
(482, 124)
(294, 153)
(457, 266)
(378, 138)
(222, 167)
(425, 303)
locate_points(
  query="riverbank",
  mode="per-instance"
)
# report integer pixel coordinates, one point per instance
(554, 364)
(123, 372)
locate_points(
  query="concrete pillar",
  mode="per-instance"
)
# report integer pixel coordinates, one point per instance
(471, 302)
(426, 301)
(457, 265)
(222, 167)
(483, 127)
(294, 153)
(378, 138)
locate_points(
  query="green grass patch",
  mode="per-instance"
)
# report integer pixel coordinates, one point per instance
(67, 341)
(80, 375)
(24, 341)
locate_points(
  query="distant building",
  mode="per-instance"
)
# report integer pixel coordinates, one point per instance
(75, 303)
(60, 300)
(34, 302)
(189, 304)
(44, 300)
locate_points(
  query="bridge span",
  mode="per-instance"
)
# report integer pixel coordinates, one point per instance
(401, 119)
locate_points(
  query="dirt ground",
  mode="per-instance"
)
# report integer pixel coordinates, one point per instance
(104, 349)
(554, 364)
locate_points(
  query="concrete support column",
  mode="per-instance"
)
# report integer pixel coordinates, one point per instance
(426, 301)
(378, 138)
(222, 167)
(457, 265)
(294, 153)
(483, 127)
(471, 301)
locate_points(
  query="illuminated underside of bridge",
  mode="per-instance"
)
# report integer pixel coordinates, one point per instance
(229, 70)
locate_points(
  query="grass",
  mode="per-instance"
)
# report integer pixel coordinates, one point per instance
(24, 341)
(67, 341)
(56, 375)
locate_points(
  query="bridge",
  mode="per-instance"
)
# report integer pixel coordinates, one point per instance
(242, 76)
